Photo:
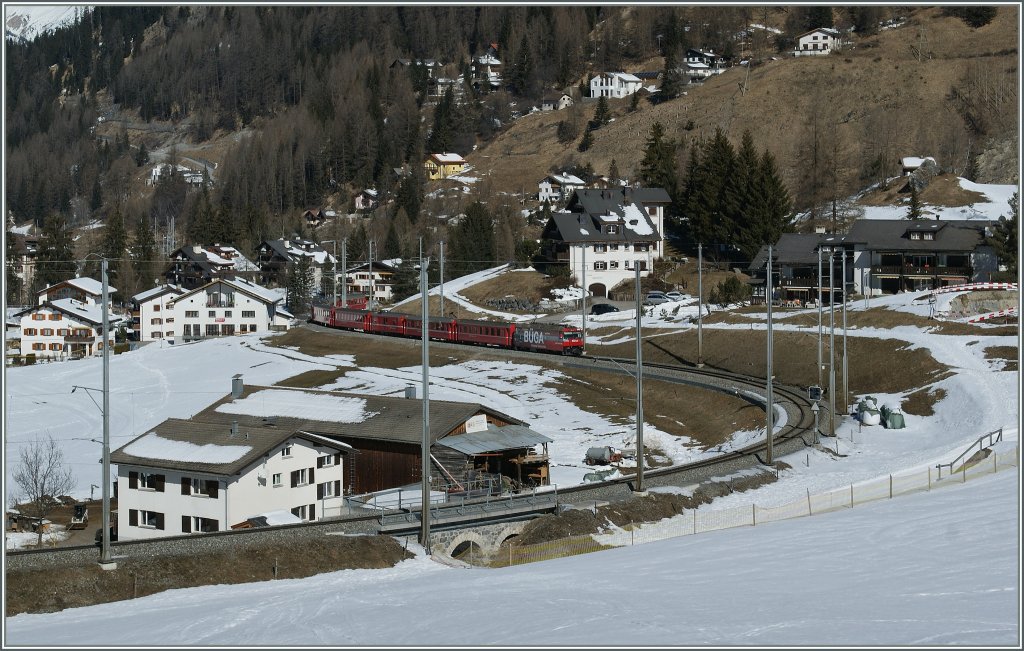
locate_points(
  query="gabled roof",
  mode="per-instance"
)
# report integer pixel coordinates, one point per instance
(378, 266)
(448, 158)
(891, 234)
(351, 416)
(159, 290)
(210, 447)
(826, 30)
(494, 439)
(245, 286)
(791, 249)
(76, 310)
(590, 209)
(565, 179)
(87, 285)
(295, 248)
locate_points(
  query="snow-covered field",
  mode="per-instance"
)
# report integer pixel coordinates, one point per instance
(991, 208)
(931, 569)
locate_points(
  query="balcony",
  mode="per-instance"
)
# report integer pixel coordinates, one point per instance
(214, 302)
(80, 339)
(912, 270)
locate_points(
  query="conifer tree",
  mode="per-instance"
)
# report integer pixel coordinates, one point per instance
(914, 209)
(658, 166)
(472, 241)
(602, 114)
(55, 259)
(13, 280)
(613, 171)
(115, 244)
(1004, 239)
(144, 253)
(391, 248)
(300, 286)
(357, 243)
(586, 142)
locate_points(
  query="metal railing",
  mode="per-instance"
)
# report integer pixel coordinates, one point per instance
(991, 437)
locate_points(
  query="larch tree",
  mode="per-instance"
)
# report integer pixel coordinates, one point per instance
(42, 475)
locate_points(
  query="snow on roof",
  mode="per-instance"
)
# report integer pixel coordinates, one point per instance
(449, 158)
(89, 286)
(915, 161)
(636, 220)
(87, 312)
(698, 65)
(156, 291)
(258, 290)
(567, 179)
(625, 76)
(488, 60)
(279, 517)
(318, 254)
(154, 446)
(299, 404)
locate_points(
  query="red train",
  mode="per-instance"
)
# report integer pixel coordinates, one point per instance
(538, 337)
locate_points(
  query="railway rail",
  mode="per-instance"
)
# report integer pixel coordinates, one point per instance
(796, 433)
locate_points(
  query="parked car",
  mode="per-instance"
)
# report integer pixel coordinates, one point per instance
(656, 298)
(603, 308)
(675, 296)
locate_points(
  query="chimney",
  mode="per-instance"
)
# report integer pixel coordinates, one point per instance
(237, 386)
(412, 392)
(234, 428)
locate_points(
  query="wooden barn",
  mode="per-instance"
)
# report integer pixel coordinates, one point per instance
(473, 448)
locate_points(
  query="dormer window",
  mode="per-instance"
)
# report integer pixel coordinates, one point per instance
(929, 236)
(612, 229)
(914, 235)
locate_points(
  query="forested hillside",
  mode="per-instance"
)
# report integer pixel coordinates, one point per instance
(288, 108)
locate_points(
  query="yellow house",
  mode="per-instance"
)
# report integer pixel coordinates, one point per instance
(440, 166)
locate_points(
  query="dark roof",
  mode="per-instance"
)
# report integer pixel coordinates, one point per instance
(377, 266)
(259, 437)
(494, 439)
(891, 234)
(389, 418)
(791, 249)
(583, 224)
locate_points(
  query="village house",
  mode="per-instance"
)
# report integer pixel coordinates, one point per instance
(817, 42)
(614, 85)
(195, 265)
(910, 164)
(226, 307)
(275, 257)
(189, 175)
(608, 233)
(556, 102)
(558, 187)
(152, 315)
(379, 283)
(67, 322)
(23, 262)
(441, 166)
(486, 70)
(366, 200)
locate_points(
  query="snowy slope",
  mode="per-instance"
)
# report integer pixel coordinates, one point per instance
(933, 569)
(24, 22)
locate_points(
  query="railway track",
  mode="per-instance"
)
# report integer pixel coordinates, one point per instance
(797, 431)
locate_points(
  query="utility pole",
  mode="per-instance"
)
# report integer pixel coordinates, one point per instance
(369, 303)
(584, 301)
(769, 408)
(639, 388)
(832, 341)
(105, 561)
(425, 443)
(442, 278)
(344, 273)
(846, 375)
(700, 304)
(820, 383)
(334, 279)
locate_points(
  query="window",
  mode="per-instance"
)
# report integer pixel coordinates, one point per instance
(598, 266)
(600, 248)
(200, 487)
(169, 333)
(287, 451)
(54, 316)
(915, 235)
(212, 329)
(191, 314)
(146, 519)
(190, 524)
(929, 236)
(169, 319)
(640, 248)
(38, 317)
(302, 477)
(62, 332)
(227, 313)
(156, 334)
(613, 265)
(328, 489)
(46, 332)
(156, 307)
(38, 346)
(611, 229)
(147, 481)
(276, 479)
(55, 347)
(212, 314)
(641, 265)
(156, 321)
(613, 247)
(248, 314)
(305, 512)
(325, 461)
(30, 332)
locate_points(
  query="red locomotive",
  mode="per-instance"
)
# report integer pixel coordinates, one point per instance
(538, 337)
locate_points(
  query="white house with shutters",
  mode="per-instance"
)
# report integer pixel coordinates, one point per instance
(186, 477)
(817, 42)
(226, 307)
(614, 84)
(558, 187)
(67, 321)
(153, 313)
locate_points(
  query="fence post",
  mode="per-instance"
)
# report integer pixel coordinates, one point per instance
(510, 554)
(851, 496)
(890, 486)
(995, 464)
(753, 514)
(929, 477)
(965, 473)
(809, 502)
(695, 523)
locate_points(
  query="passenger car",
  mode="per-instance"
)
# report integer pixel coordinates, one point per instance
(675, 296)
(603, 308)
(656, 298)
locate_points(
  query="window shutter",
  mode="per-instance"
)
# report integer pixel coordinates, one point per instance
(186, 524)
(133, 479)
(133, 517)
(319, 491)
(320, 462)
(212, 487)
(337, 488)
(160, 521)
(186, 486)
(216, 525)
(295, 478)
(311, 475)
(337, 459)
(312, 512)
(158, 483)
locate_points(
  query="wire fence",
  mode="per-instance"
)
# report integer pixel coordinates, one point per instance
(694, 522)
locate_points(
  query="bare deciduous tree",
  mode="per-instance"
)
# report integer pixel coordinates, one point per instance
(41, 476)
